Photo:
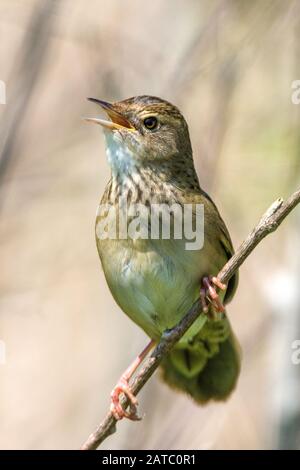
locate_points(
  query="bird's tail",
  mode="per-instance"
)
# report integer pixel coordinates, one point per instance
(208, 367)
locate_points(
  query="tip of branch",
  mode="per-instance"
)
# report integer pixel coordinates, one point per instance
(272, 210)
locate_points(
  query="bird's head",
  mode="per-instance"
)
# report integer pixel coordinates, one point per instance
(142, 131)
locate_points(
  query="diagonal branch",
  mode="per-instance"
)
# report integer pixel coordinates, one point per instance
(269, 222)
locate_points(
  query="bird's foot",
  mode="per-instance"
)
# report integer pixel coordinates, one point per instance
(208, 293)
(123, 387)
(116, 408)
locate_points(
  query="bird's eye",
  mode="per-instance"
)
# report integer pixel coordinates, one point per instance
(151, 123)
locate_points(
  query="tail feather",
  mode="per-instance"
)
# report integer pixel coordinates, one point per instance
(209, 375)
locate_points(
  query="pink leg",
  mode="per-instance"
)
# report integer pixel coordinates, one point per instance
(208, 291)
(216, 281)
(124, 387)
(205, 307)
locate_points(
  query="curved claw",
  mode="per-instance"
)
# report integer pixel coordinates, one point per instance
(116, 407)
(209, 292)
(216, 281)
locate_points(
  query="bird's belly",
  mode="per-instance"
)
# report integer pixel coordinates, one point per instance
(153, 284)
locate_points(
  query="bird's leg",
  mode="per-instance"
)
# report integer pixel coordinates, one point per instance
(124, 387)
(208, 292)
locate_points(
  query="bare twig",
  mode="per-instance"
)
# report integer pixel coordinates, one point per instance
(269, 222)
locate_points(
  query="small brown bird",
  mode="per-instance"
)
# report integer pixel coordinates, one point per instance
(155, 280)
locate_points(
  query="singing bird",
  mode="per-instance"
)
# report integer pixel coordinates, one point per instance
(156, 281)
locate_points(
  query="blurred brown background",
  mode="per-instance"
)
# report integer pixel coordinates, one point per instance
(229, 66)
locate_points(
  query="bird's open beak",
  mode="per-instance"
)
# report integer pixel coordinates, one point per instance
(118, 121)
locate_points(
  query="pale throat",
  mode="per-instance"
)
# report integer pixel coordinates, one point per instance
(120, 158)
(128, 174)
